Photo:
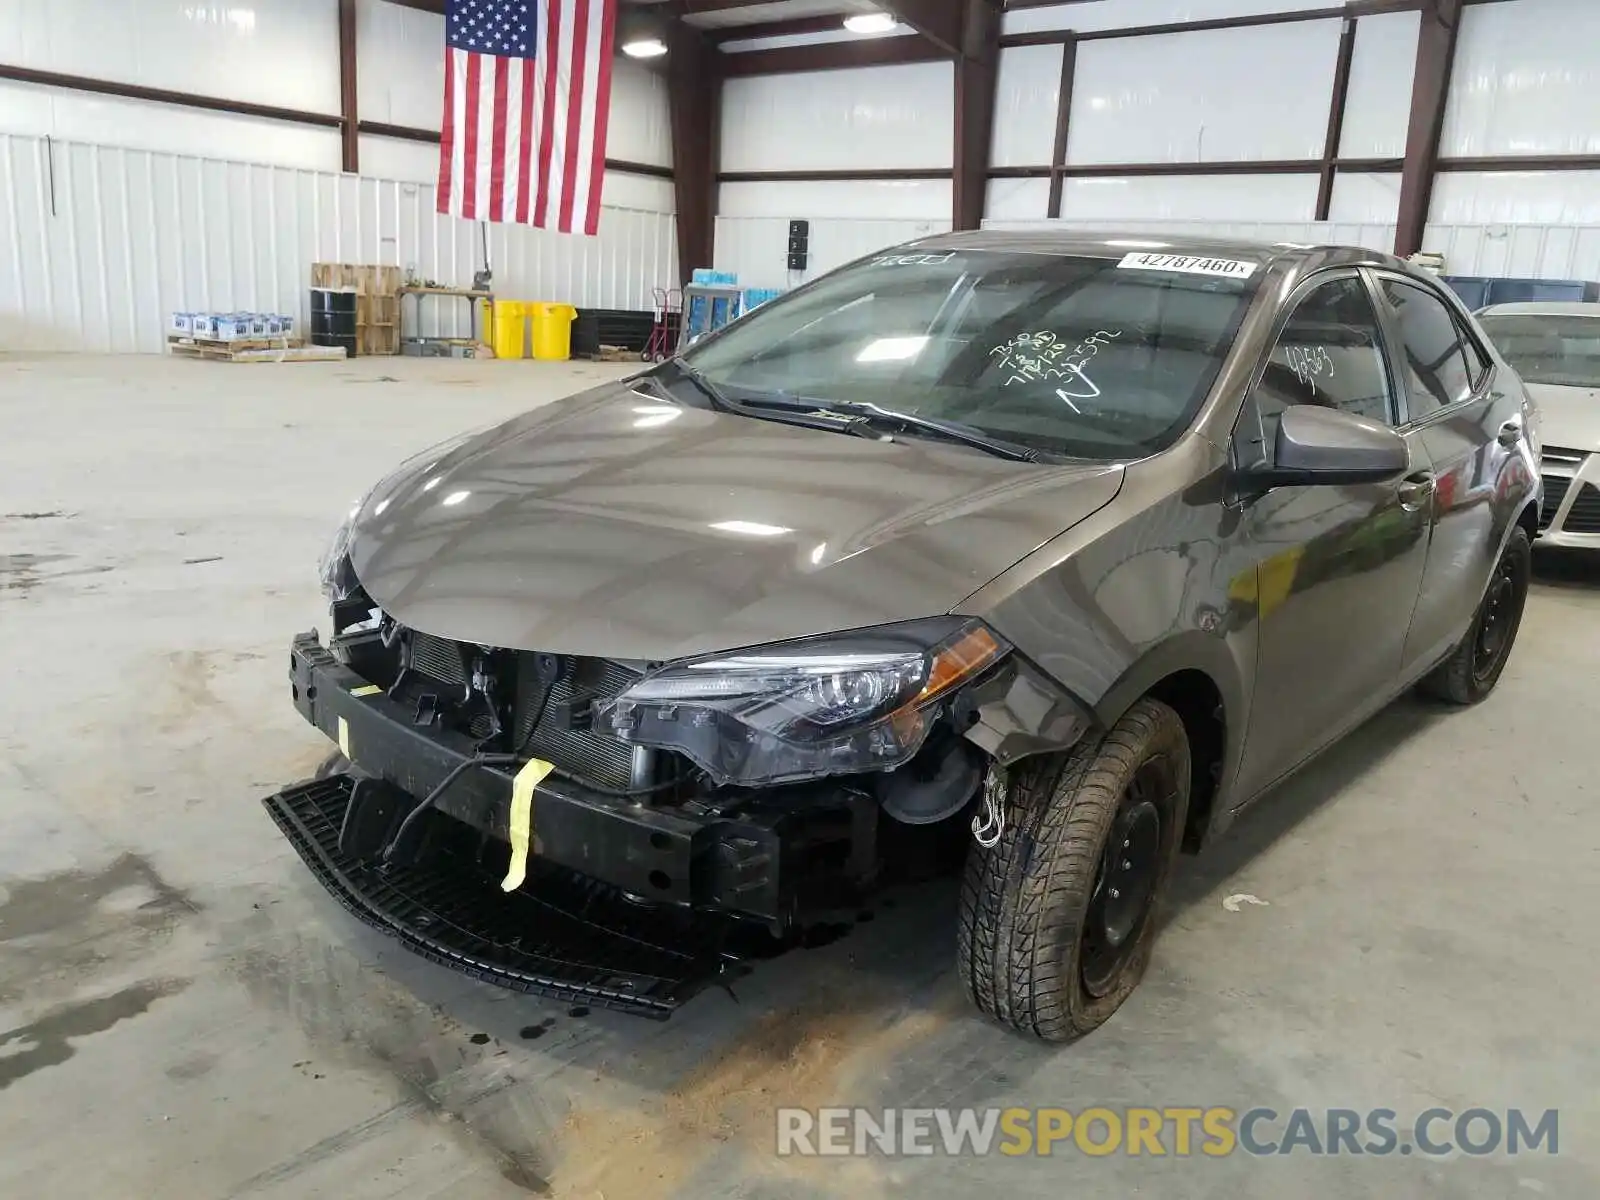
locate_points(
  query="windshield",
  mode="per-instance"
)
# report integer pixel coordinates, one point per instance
(1562, 350)
(1080, 356)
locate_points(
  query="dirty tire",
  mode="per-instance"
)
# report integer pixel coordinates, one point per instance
(1464, 678)
(1025, 901)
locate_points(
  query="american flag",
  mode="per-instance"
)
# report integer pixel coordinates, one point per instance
(527, 94)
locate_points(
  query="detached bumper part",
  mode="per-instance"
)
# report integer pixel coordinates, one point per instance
(562, 936)
(627, 904)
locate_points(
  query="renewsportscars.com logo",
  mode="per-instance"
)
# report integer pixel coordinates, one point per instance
(1180, 1132)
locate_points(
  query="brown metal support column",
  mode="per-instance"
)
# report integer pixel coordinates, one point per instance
(1058, 152)
(976, 70)
(1341, 95)
(350, 128)
(694, 98)
(1430, 88)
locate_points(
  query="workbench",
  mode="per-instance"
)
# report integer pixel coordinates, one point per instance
(414, 343)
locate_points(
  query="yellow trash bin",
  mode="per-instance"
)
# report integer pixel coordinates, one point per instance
(509, 328)
(552, 330)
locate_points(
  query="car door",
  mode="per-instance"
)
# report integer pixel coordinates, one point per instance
(1337, 567)
(1469, 429)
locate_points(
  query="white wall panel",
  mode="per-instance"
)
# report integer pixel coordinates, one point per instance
(1017, 199)
(1333, 233)
(1190, 197)
(1526, 80)
(868, 118)
(1364, 196)
(398, 159)
(914, 199)
(1520, 197)
(1214, 96)
(1128, 14)
(285, 52)
(140, 125)
(1379, 100)
(137, 234)
(640, 128)
(399, 64)
(1025, 106)
(756, 247)
(1517, 251)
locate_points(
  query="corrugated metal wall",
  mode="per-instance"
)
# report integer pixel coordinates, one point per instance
(1374, 236)
(98, 243)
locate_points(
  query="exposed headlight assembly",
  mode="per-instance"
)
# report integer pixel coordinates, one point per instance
(822, 706)
(333, 570)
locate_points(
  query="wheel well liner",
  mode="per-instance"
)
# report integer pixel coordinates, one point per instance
(1195, 675)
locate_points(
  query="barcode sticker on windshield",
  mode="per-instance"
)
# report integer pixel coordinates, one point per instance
(1188, 264)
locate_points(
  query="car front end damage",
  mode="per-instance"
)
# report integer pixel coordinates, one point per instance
(676, 818)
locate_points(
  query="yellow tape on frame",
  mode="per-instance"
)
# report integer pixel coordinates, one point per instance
(344, 737)
(522, 820)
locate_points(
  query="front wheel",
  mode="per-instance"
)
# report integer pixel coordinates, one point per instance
(1057, 918)
(1474, 666)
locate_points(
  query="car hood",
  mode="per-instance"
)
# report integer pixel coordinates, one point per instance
(1569, 416)
(616, 524)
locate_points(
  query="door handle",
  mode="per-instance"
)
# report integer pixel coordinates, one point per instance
(1510, 434)
(1416, 490)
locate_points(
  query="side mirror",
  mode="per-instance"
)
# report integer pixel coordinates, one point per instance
(1321, 446)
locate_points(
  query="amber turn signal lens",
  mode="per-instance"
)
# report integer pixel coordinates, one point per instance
(961, 659)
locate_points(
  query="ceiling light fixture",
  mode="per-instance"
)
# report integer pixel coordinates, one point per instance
(876, 22)
(644, 47)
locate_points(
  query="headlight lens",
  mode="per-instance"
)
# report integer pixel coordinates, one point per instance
(861, 702)
(334, 570)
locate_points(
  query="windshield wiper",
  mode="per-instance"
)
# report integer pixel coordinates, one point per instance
(867, 414)
(706, 388)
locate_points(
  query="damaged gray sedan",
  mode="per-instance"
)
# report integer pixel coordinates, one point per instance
(1057, 551)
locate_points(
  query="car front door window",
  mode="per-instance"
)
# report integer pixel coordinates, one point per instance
(1329, 353)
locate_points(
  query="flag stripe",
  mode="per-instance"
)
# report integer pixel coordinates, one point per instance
(601, 110)
(447, 135)
(527, 105)
(531, 80)
(571, 150)
(470, 176)
(497, 135)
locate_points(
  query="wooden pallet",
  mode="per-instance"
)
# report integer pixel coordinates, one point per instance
(377, 301)
(253, 350)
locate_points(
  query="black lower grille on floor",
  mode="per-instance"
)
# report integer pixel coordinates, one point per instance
(1584, 515)
(559, 935)
(1555, 491)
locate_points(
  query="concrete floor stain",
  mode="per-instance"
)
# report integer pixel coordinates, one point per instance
(49, 1041)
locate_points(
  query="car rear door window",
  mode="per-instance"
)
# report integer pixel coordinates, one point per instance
(1434, 349)
(1329, 353)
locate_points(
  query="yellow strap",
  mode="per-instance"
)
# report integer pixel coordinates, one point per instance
(522, 820)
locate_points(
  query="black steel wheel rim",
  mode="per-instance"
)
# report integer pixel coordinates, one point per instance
(1125, 885)
(1492, 638)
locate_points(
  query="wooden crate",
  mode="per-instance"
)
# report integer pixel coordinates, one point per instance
(377, 302)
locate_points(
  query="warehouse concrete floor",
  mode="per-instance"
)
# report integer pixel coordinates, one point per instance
(188, 1014)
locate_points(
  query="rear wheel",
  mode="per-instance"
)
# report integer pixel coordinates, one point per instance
(1474, 666)
(1057, 918)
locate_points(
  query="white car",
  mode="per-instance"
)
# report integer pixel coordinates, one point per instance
(1555, 347)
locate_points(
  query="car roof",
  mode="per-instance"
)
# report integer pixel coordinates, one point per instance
(1100, 243)
(1544, 308)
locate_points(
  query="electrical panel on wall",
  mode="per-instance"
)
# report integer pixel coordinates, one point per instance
(799, 244)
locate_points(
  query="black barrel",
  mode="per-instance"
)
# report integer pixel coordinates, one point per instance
(333, 319)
